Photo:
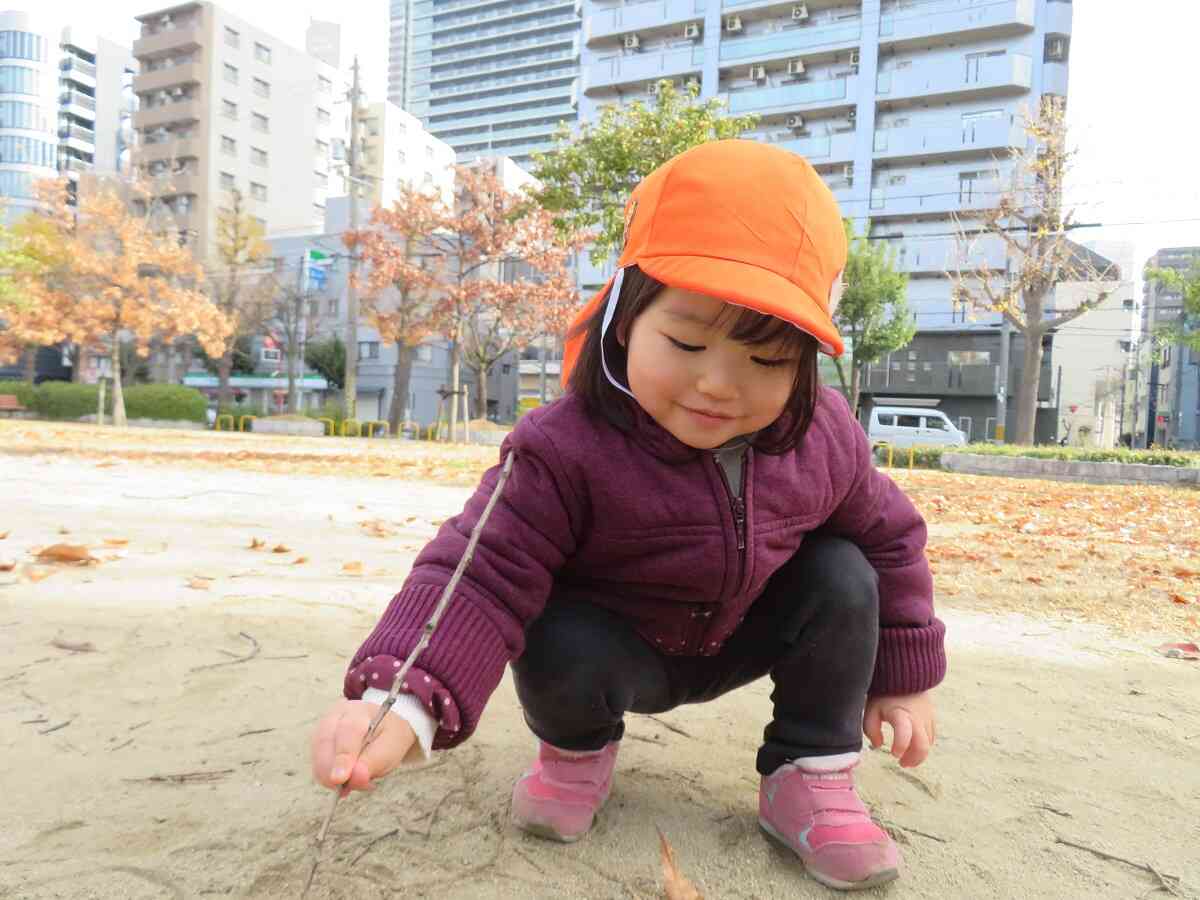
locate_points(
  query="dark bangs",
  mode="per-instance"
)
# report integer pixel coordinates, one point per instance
(638, 291)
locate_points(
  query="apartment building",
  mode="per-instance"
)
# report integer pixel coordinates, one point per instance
(225, 106)
(96, 104)
(490, 78)
(1168, 383)
(398, 153)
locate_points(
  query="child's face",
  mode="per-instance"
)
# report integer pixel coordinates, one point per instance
(694, 380)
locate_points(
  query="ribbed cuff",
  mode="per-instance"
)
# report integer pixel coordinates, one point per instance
(910, 660)
(466, 653)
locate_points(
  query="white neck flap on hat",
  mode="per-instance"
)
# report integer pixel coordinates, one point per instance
(610, 309)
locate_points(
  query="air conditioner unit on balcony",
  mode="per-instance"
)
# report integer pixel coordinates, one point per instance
(796, 123)
(800, 12)
(848, 171)
(632, 42)
(1056, 49)
(733, 24)
(854, 57)
(758, 73)
(795, 67)
(691, 31)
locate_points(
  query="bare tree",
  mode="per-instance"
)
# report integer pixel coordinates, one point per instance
(1030, 219)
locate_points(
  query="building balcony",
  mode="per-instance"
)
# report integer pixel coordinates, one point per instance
(170, 40)
(447, 70)
(1058, 18)
(171, 76)
(74, 165)
(513, 53)
(821, 149)
(933, 196)
(77, 104)
(176, 184)
(1054, 78)
(798, 97)
(167, 150)
(516, 152)
(76, 70)
(935, 256)
(959, 139)
(637, 17)
(563, 110)
(544, 132)
(1011, 73)
(790, 42)
(512, 29)
(498, 99)
(939, 379)
(958, 19)
(642, 67)
(183, 111)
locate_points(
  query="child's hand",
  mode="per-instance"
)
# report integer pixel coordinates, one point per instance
(339, 735)
(913, 726)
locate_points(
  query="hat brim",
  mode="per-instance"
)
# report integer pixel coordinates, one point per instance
(751, 286)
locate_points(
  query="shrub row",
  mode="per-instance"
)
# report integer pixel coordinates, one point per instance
(66, 401)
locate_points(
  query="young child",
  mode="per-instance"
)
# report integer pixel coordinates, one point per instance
(694, 514)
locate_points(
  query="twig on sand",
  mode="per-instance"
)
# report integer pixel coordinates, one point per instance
(54, 728)
(907, 830)
(669, 726)
(426, 634)
(183, 777)
(1053, 809)
(367, 849)
(240, 659)
(256, 731)
(1168, 883)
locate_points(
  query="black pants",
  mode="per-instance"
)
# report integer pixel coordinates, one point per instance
(814, 630)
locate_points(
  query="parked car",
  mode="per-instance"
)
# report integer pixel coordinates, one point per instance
(905, 426)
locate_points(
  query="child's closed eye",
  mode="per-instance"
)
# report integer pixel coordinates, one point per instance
(686, 348)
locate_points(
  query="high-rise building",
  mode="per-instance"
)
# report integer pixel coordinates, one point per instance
(226, 106)
(28, 109)
(398, 16)
(906, 107)
(491, 78)
(1169, 395)
(96, 104)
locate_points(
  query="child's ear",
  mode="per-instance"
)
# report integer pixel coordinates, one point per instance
(623, 336)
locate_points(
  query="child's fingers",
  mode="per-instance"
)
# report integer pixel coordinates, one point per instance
(917, 750)
(901, 732)
(347, 742)
(322, 751)
(873, 726)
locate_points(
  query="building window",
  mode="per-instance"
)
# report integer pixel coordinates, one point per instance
(332, 307)
(402, 157)
(231, 73)
(322, 149)
(314, 308)
(975, 61)
(232, 38)
(323, 117)
(258, 157)
(368, 349)
(262, 53)
(324, 85)
(18, 80)
(227, 182)
(259, 122)
(229, 109)
(268, 355)
(1058, 48)
(373, 127)
(973, 185)
(262, 88)
(969, 357)
(228, 146)
(22, 45)
(258, 191)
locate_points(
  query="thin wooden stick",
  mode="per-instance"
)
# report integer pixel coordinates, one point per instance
(426, 633)
(1164, 880)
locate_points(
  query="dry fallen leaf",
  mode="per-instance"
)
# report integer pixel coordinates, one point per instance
(353, 568)
(36, 575)
(74, 646)
(256, 544)
(7, 565)
(63, 530)
(1180, 599)
(675, 885)
(116, 542)
(280, 548)
(299, 560)
(199, 584)
(376, 528)
(66, 553)
(3, 535)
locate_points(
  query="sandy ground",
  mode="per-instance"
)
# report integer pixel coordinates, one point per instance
(1049, 731)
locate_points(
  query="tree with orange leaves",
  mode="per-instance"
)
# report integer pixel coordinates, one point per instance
(107, 277)
(398, 286)
(488, 271)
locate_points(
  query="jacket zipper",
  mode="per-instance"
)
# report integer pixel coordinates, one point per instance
(738, 505)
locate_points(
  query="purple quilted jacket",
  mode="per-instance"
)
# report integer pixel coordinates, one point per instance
(646, 526)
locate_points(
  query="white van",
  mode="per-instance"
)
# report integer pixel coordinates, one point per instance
(905, 426)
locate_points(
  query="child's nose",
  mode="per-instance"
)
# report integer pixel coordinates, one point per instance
(717, 382)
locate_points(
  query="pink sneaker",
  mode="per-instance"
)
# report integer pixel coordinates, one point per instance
(559, 796)
(818, 815)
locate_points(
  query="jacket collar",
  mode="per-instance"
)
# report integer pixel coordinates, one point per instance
(659, 442)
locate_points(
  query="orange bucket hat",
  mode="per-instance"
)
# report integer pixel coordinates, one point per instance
(742, 221)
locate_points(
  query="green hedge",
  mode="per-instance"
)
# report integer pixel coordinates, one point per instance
(22, 390)
(1155, 457)
(923, 457)
(62, 400)
(166, 402)
(332, 409)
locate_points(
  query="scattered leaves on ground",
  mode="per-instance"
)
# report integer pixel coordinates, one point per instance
(67, 554)
(675, 885)
(353, 568)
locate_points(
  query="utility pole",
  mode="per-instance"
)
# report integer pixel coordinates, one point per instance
(350, 388)
(1002, 392)
(296, 357)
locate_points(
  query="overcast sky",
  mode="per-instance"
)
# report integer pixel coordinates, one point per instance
(1133, 98)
